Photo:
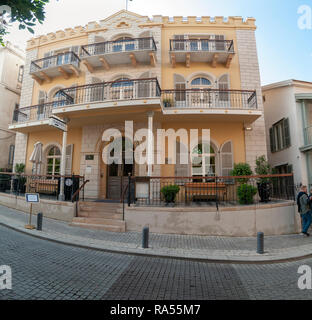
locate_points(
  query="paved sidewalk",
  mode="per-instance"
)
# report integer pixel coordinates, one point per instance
(225, 249)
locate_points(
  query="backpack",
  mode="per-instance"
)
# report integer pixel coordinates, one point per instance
(298, 200)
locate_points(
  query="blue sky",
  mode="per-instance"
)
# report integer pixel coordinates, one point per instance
(284, 50)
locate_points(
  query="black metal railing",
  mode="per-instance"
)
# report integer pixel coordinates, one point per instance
(54, 61)
(216, 191)
(48, 186)
(112, 91)
(209, 98)
(202, 45)
(38, 112)
(126, 45)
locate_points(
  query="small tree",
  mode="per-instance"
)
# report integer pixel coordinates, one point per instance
(263, 168)
(26, 12)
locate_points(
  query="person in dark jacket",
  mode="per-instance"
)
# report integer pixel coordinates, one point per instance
(303, 202)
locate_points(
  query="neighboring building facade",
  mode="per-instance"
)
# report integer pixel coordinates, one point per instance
(160, 73)
(288, 120)
(12, 60)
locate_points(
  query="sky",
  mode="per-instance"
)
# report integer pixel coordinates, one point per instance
(284, 50)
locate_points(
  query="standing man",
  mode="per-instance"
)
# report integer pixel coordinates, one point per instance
(303, 202)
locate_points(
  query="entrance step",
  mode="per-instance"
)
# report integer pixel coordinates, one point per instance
(100, 216)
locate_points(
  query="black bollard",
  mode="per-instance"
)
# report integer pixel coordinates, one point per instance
(260, 243)
(39, 221)
(145, 235)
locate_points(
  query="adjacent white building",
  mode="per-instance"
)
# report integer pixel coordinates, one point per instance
(12, 60)
(288, 120)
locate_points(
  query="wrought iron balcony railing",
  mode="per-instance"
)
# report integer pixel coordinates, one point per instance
(119, 46)
(112, 91)
(38, 112)
(55, 61)
(205, 45)
(209, 98)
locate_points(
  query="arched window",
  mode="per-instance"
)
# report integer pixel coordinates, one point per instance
(201, 82)
(204, 160)
(123, 44)
(53, 161)
(122, 88)
(201, 97)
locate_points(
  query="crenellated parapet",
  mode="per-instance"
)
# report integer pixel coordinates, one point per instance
(124, 20)
(68, 33)
(218, 21)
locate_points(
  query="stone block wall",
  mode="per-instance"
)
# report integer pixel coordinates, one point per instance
(255, 140)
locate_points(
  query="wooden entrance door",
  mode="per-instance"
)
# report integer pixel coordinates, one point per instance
(117, 176)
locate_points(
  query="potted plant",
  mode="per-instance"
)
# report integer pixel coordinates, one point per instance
(167, 103)
(170, 192)
(264, 186)
(19, 182)
(245, 191)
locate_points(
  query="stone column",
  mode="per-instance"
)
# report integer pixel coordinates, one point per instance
(150, 144)
(63, 166)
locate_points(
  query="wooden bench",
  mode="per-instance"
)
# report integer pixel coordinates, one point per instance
(43, 186)
(204, 190)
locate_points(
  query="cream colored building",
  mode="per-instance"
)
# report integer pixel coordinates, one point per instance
(288, 118)
(12, 60)
(160, 73)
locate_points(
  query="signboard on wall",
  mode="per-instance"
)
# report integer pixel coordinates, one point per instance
(32, 197)
(57, 123)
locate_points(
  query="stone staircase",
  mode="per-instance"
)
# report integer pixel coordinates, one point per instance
(100, 216)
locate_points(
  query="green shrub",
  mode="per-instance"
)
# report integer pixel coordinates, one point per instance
(241, 169)
(20, 168)
(170, 192)
(245, 193)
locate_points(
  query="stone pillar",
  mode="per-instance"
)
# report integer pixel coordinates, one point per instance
(63, 166)
(150, 144)
(255, 140)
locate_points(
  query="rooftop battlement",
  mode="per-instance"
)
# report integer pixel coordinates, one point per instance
(123, 19)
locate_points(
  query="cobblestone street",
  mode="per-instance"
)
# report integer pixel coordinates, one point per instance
(45, 270)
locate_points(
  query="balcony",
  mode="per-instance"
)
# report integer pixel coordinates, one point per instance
(64, 64)
(107, 96)
(130, 51)
(32, 117)
(238, 104)
(208, 51)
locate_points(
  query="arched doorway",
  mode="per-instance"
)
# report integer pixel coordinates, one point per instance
(201, 96)
(114, 176)
(204, 160)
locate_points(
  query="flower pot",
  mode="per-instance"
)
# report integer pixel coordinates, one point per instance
(264, 191)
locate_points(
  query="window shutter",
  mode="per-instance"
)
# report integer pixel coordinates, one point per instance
(220, 44)
(179, 45)
(272, 140)
(180, 95)
(69, 159)
(286, 138)
(224, 86)
(47, 62)
(41, 97)
(227, 159)
(181, 169)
